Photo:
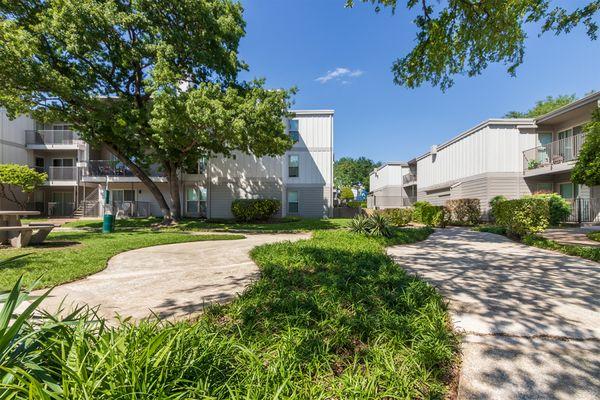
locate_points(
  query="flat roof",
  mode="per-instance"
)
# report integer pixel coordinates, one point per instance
(313, 112)
(396, 163)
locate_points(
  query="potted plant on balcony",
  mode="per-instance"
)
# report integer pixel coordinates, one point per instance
(533, 164)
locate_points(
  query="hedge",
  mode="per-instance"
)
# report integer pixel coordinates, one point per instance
(464, 211)
(523, 216)
(247, 210)
(397, 216)
(560, 209)
(430, 215)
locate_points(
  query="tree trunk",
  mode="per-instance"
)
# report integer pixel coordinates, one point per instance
(174, 189)
(142, 176)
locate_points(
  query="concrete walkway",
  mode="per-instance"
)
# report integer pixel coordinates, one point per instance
(172, 281)
(571, 236)
(531, 317)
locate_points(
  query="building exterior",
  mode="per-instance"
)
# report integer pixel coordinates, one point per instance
(78, 173)
(391, 186)
(513, 158)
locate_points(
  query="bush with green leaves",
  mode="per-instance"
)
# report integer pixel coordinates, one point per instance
(346, 194)
(417, 210)
(23, 179)
(464, 211)
(494, 204)
(357, 204)
(397, 216)
(374, 225)
(249, 210)
(523, 216)
(560, 209)
(437, 216)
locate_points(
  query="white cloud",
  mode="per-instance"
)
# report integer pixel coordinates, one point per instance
(340, 74)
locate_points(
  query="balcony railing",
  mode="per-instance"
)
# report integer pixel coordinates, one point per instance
(51, 137)
(557, 152)
(114, 168)
(132, 209)
(409, 178)
(59, 173)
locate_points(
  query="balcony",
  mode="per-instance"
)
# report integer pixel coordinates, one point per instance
(553, 156)
(98, 170)
(52, 139)
(409, 179)
(56, 175)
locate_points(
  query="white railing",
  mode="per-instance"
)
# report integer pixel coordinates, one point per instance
(556, 152)
(62, 173)
(409, 178)
(51, 137)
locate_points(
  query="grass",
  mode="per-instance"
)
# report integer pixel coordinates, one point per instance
(67, 256)
(587, 252)
(594, 236)
(281, 225)
(331, 317)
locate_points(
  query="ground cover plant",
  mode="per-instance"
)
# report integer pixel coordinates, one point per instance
(67, 256)
(287, 224)
(330, 317)
(594, 236)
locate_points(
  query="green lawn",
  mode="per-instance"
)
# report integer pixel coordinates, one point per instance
(331, 317)
(67, 256)
(285, 225)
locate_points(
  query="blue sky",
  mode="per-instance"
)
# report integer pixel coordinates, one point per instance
(296, 42)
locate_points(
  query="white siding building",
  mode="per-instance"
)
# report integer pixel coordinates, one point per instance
(78, 173)
(391, 186)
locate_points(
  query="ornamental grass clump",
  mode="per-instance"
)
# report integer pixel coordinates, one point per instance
(374, 225)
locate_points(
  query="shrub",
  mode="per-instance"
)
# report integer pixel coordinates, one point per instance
(375, 225)
(397, 216)
(357, 204)
(346, 194)
(523, 216)
(559, 208)
(435, 216)
(417, 210)
(494, 204)
(247, 210)
(464, 211)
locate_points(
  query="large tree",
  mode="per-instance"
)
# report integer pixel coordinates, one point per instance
(462, 37)
(348, 171)
(587, 169)
(543, 106)
(22, 178)
(104, 66)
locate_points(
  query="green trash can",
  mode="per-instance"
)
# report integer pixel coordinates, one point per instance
(108, 224)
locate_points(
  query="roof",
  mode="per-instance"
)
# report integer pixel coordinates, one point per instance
(569, 107)
(313, 112)
(396, 163)
(520, 122)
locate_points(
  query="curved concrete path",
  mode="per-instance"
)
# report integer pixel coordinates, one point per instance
(172, 281)
(531, 317)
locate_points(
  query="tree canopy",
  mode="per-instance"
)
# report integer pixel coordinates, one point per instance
(348, 171)
(21, 177)
(543, 106)
(149, 80)
(587, 169)
(459, 37)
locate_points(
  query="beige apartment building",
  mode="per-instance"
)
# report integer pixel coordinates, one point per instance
(509, 157)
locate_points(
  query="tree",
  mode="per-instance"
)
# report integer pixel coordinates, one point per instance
(346, 194)
(348, 171)
(464, 36)
(587, 169)
(542, 107)
(107, 66)
(26, 179)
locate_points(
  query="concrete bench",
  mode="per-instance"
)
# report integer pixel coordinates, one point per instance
(21, 236)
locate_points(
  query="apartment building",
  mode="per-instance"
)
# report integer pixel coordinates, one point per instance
(79, 174)
(392, 185)
(513, 158)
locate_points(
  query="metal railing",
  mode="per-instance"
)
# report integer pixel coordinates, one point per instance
(556, 152)
(51, 137)
(409, 178)
(131, 209)
(113, 168)
(379, 202)
(61, 173)
(585, 210)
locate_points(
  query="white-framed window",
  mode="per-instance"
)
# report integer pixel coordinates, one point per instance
(568, 190)
(292, 200)
(293, 165)
(63, 162)
(123, 195)
(294, 130)
(195, 200)
(544, 187)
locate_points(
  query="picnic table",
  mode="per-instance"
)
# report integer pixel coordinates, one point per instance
(17, 235)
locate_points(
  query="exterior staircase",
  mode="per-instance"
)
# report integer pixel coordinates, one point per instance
(88, 206)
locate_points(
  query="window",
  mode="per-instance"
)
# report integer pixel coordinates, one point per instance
(292, 202)
(195, 200)
(568, 190)
(293, 129)
(294, 166)
(62, 162)
(544, 187)
(121, 196)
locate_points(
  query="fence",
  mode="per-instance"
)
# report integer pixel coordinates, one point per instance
(585, 210)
